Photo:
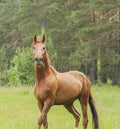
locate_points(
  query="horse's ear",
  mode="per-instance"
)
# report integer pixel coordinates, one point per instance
(35, 38)
(43, 39)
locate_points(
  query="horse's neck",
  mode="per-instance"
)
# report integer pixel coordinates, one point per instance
(41, 73)
(47, 62)
(43, 70)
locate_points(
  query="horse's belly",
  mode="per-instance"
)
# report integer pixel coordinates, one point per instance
(69, 89)
(65, 99)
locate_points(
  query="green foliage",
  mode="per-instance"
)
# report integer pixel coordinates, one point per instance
(76, 58)
(22, 70)
(6, 52)
(79, 35)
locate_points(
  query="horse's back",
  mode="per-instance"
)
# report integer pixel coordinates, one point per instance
(80, 76)
(86, 85)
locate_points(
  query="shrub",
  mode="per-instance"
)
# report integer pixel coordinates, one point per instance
(22, 71)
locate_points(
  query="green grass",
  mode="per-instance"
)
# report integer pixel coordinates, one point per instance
(19, 110)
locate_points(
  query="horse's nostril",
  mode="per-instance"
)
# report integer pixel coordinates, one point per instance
(38, 60)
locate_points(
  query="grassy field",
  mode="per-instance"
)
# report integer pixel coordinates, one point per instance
(18, 109)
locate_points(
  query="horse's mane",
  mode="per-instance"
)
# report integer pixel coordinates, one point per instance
(53, 69)
(48, 64)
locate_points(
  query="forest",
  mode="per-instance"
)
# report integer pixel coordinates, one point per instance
(81, 35)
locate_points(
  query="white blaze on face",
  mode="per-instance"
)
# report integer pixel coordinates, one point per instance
(39, 51)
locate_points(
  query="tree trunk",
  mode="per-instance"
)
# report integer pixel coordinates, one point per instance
(103, 65)
(93, 71)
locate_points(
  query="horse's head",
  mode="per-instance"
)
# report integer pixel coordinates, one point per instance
(39, 50)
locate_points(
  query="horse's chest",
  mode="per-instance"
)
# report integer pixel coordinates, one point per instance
(42, 92)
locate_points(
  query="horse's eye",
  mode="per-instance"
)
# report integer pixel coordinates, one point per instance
(33, 48)
(43, 48)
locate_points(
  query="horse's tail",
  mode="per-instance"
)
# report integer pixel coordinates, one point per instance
(94, 112)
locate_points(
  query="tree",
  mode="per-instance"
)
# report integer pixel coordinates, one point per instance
(82, 35)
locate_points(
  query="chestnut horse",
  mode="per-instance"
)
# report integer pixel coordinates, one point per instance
(54, 88)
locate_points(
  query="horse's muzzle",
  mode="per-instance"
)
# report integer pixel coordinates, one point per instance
(38, 61)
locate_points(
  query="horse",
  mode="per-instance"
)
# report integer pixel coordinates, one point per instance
(55, 88)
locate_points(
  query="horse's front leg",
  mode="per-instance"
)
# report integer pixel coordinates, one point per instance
(45, 124)
(43, 117)
(40, 105)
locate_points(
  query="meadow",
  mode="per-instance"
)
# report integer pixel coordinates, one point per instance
(19, 110)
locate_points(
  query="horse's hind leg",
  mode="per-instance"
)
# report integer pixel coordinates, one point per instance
(84, 106)
(74, 112)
